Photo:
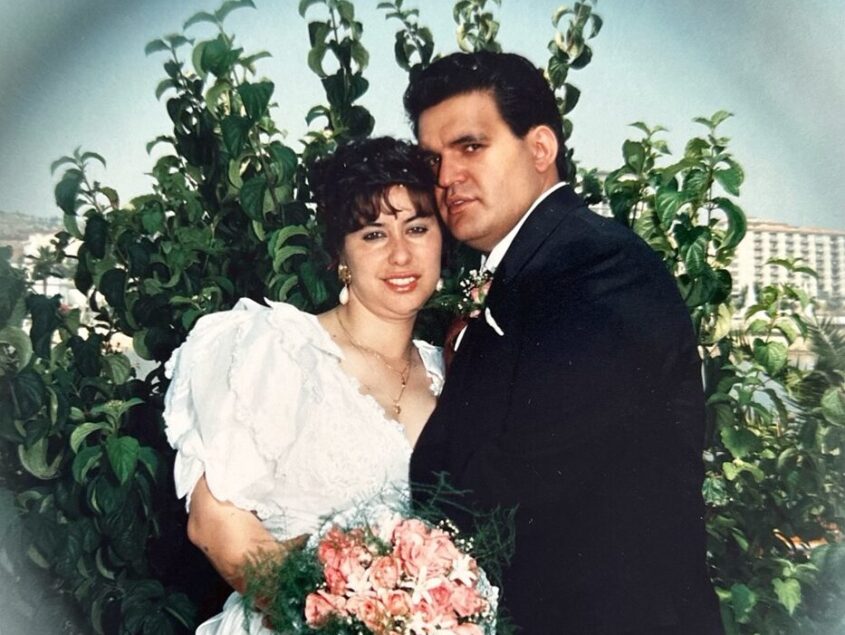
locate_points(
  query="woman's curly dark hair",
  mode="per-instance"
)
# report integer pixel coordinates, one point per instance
(351, 186)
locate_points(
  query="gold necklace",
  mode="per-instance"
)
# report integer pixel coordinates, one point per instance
(403, 374)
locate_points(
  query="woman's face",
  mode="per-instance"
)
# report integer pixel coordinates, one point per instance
(395, 260)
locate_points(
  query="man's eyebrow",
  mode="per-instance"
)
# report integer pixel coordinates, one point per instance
(467, 138)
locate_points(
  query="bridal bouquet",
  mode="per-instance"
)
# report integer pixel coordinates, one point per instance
(394, 575)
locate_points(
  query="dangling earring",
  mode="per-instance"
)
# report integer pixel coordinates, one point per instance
(439, 286)
(345, 276)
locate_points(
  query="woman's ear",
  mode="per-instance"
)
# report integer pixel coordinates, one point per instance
(544, 147)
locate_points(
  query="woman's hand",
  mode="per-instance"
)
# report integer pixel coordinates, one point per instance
(230, 536)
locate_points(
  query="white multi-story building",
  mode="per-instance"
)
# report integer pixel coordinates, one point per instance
(820, 249)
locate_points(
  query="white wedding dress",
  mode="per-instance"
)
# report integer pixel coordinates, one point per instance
(260, 405)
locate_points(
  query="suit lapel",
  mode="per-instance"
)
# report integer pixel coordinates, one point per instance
(538, 227)
(536, 230)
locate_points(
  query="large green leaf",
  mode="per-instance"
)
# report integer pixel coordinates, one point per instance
(634, 154)
(96, 234)
(218, 56)
(285, 158)
(281, 256)
(788, 593)
(113, 287)
(315, 59)
(558, 69)
(118, 367)
(256, 98)
(304, 4)
(743, 600)
(139, 345)
(739, 441)
(714, 491)
(235, 132)
(313, 283)
(695, 254)
(155, 46)
(359, 122)
(83, 431)
(28, 393)
(34, 460)
(730, 178)
(251, 197)
(230, 5)
(67, 191)
(86, 353)
(771, 355)
(737, 223)
(346, 10)
(84, 461)
(107, 497)
(197, 18)
(44, 314)
(573, 95)
(696, 183)
(149, 459)
(833, 406)
(667, 203)
(123, 455)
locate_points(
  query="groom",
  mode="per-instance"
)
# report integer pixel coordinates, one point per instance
(576, 394)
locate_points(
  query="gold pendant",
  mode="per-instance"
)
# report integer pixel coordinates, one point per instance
(397, 409)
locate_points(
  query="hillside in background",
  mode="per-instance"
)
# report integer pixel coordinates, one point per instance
(16, 228)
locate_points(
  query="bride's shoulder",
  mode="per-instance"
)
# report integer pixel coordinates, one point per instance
(249, 323)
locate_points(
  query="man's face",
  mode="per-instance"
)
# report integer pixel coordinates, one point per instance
(486, 175)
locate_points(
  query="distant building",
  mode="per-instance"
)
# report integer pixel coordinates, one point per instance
(820, 249)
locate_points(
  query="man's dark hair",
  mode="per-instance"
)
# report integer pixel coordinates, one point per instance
(521, 92)
(351, 186)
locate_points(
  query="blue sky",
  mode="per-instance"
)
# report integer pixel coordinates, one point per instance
(74, 73)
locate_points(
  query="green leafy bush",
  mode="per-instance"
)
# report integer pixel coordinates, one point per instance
(81, 436)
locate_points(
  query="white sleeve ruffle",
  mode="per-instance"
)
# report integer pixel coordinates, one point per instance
(231, 408)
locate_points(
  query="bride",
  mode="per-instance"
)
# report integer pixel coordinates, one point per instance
(280, 417)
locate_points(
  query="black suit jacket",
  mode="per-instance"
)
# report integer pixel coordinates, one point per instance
(587, 414)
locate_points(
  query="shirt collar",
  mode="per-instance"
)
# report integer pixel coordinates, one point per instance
(498, 252)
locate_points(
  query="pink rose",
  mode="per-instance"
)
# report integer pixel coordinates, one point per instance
(409, 537)
(440, 553)
(335, 580)
(369, 610)
(385, 572)
(436, 616)
(330, 547)
(318, 609)
(397, 603)
(441, 597)
(466, 601)
(467, 629)
(425, 611)
(353, 560)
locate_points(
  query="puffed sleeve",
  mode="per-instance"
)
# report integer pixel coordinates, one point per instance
(230, 410)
